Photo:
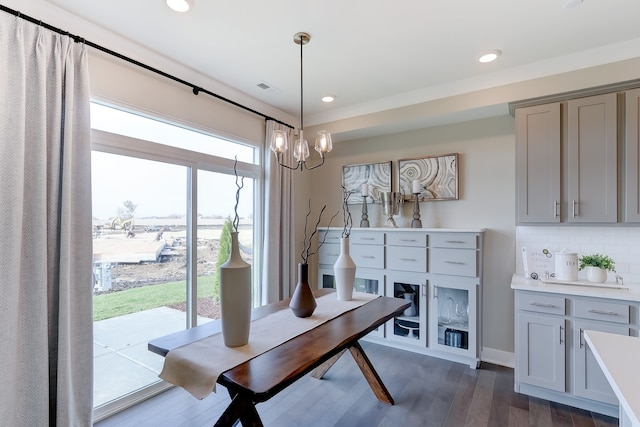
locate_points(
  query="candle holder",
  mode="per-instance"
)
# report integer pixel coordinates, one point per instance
(364, 222)
(416, 223)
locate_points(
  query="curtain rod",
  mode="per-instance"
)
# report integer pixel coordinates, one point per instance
(195, 89)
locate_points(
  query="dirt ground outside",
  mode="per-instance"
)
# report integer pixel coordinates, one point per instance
(171, 265)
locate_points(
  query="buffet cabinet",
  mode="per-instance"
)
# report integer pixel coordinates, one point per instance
(438, 270)
(553, 361)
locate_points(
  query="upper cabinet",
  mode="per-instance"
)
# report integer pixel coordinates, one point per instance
(538, 163)
(566, 161)
(592, 138)
(632, 156)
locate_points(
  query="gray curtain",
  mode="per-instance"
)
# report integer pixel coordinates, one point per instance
(278, 269)
(46, 369)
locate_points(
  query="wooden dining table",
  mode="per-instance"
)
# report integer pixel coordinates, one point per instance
(313, 352)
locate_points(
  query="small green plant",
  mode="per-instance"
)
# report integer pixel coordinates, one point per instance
(597, 260)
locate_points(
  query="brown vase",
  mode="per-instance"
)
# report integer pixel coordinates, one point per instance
(303, 303)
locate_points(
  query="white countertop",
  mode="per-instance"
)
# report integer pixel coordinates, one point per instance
(631, 292)
(619, 358)
(429, 230)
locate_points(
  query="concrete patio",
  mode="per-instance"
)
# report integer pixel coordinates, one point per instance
(122, 363)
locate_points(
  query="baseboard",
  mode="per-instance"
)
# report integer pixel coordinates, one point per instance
(498, 357)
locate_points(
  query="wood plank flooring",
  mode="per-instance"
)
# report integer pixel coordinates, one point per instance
(427, 392)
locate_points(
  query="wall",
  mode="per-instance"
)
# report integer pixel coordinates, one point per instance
(487, 200)
(619, 242)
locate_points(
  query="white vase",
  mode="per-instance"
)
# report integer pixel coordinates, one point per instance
(235, 297)
(344, 271)
(596, 274)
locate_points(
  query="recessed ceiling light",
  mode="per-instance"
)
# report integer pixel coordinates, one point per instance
(180, 5)
(328, 98)
(492, 55)
(569, 4)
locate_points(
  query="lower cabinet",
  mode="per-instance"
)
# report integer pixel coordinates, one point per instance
(439, 272)
(553, 361)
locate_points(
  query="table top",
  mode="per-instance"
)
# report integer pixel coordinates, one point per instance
(267, 374)
(618, 356)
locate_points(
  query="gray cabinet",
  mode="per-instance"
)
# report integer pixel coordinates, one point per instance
(538, 163)
(438, 270)
(632, 156)
(592, 136)
(588, 380)
(552, 360)
(582, 188)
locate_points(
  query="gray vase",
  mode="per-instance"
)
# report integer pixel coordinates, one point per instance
(235, 297)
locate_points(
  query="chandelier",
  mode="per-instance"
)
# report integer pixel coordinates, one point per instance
(279, 143)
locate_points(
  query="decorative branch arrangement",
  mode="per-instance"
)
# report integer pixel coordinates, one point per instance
(346, 215)
(306, 250)
(236, 218)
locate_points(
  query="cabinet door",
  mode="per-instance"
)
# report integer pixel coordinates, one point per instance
(541, 350)
(588, 379)
(453, 315)
(538, 163)
(411, 327)
(592, 132)
(632, 156)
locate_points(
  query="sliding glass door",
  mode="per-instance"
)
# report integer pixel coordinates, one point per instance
(160, 211)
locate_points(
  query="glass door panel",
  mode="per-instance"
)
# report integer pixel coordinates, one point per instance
(216, 203)
(139, 280)
(411, 326)
(369, 281)
(453, 320)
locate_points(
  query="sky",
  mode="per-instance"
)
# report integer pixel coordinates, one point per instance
(160, 189)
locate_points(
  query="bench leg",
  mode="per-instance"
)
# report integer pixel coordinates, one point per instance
(322, 369)
(370, 374)
(240, 409)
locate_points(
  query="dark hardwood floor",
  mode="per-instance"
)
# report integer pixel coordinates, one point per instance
(427, 392)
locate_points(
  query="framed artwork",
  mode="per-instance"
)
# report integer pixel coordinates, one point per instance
(377, 176)
(437, 177)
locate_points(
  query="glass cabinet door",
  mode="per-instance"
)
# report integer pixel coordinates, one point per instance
(369, 281)
(454, 315)
(411, 326)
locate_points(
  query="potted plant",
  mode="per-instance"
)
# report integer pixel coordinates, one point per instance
(596, 266)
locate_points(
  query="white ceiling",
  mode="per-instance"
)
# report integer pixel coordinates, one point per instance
(372, 54)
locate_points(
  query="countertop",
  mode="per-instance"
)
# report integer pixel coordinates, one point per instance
(428, 230)
(619, 358)
(630, 292)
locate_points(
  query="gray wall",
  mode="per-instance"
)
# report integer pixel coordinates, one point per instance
(486, 150)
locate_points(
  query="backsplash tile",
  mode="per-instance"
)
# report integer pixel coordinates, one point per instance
(620, 243)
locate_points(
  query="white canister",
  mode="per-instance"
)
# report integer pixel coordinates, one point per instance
(566, 266)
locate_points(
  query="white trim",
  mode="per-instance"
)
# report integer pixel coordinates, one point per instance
(498, 357)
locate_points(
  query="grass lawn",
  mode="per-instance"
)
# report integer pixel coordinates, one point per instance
(119, 303)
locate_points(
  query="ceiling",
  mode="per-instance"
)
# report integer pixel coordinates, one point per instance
(372, 55)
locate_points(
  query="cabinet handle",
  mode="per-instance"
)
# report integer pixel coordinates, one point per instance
(368, 257)
(561, 334)
(556, 205)
(606, 313)
(408, 240)
(454, 262)
(540, 304)
(424, 289)
(408, 259)
(333, 254)
(367, 238)
(575, 211)
(455, 241)
(435, 291)
(581, 338)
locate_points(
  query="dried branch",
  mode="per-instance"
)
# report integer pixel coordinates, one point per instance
(306, 243)
(346, 215)
(236, 218)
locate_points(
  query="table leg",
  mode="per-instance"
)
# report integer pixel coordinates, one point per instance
(241, 409)
(370, 374)
(322, 369)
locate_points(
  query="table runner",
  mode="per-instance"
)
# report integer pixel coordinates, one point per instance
(197, 365)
